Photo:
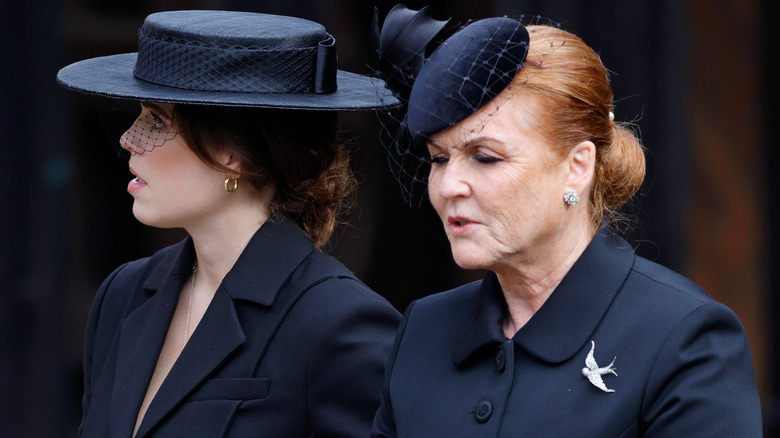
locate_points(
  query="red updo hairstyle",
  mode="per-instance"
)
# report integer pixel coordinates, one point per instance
(575, 103)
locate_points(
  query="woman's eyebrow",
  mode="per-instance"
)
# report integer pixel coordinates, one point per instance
(430, 144)
(156, 107)
(481, 139)
(433, 145)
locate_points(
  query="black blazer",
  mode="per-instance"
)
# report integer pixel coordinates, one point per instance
(292, 345)
(682, 363)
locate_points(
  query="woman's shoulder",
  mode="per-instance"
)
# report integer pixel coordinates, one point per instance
(452, 297)
(665, 296)
(325, 281)
(327, 295)
(686, 338)
(115, 299)
(130, 273)
(116, 290)
(669, 300)
(667, 278)
(659, 283)
(453, 304)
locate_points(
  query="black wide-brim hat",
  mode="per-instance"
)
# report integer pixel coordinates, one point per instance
(229, 58)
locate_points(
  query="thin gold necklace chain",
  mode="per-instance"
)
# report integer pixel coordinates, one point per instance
(189, 306)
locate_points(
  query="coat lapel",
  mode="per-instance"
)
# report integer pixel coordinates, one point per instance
(142, 335)
(258, 275)
(218, 334)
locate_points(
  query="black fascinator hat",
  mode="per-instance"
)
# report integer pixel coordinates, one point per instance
(462, 74)
(230, 58)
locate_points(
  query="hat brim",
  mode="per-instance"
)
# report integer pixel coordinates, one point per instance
(112, 76)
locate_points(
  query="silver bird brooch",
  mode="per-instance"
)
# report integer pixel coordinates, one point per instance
(593, 372)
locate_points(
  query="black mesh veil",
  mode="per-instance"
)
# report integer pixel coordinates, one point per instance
(135, 127)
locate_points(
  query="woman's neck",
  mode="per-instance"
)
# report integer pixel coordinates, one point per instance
(527, 286)
(220, 240)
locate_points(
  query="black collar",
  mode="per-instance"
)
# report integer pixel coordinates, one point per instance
(567, 319)
(269, 258)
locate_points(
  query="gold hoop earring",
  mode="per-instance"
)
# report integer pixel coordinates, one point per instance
(231, 185)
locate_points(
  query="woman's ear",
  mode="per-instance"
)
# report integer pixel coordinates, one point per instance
(231, 161)
(582, 162)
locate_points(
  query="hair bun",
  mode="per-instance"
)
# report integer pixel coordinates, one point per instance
(622, 168)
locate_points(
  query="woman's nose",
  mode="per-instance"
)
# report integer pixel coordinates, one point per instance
(453, 181)
(129, 142)
(124, 142)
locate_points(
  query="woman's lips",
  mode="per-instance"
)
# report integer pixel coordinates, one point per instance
(460, 225)
(136, 183)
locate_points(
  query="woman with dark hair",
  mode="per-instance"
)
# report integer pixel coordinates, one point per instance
(569, 334)
(244, 328)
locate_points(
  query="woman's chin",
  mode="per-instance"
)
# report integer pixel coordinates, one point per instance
(469, 255)
(146, 222)
(468, 261)
(147, 218)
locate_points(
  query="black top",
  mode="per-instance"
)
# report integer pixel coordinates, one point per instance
(292, 345)
(664, 359)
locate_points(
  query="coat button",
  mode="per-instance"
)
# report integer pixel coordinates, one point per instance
(483, 411)
(501, 361)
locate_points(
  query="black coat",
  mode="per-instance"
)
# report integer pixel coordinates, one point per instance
(682, 362)
(292, 345)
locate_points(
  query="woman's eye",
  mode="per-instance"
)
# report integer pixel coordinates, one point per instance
(438, 159)
(486, 159)
(158, 121)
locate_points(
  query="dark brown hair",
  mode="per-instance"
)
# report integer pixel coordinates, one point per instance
(575, 105)
(295, 151)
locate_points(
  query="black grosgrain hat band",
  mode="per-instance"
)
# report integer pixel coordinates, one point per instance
(206, 66)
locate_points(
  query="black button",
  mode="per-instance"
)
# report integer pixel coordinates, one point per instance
(483, 411)
(501, 361)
